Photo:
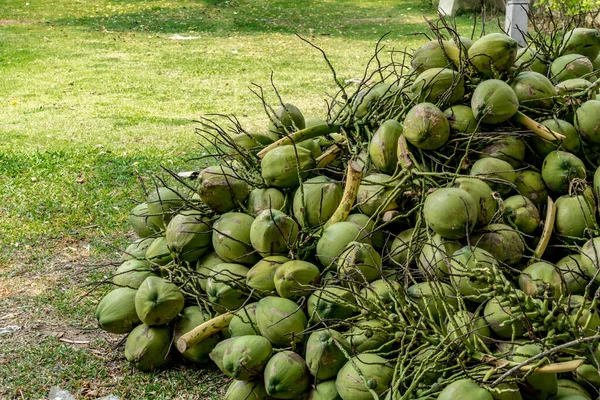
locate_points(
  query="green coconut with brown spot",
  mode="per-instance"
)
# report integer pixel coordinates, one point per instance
(426, 127)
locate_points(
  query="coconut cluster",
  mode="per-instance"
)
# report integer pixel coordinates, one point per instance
(437, 229)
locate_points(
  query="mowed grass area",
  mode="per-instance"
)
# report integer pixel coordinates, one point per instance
(95, 94)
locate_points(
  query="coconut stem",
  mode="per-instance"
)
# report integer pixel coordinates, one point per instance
(328, 156)
(403, 153)
(301, 135)
(203, 331)
(547, 232)
(537, 128)
(353, 178)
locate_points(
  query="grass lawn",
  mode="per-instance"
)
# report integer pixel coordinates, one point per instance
(95, 94)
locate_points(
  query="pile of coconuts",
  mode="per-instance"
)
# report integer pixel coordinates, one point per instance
(434, 236)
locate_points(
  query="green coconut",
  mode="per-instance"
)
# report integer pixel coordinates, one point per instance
(493, 53)
(204, 265)
(326, 353)
(221, 188)
(450, 212)
(335, 239)
(147, 347)
(331, 302)
(157, 301)
(483, 196)
(116, 311)
(225, 286)
(243, 322)
(587, 375)
(379, 294)
(574, 86)
(246, 357)
(367, 225)
(587, 121)
(359, 262)
(584, 41)
(138, 218)
(374, 194)
(132, 273)
(464, 389)
(273, 232)
(433, 55)
(534, 90)
(503, 320)
(541, 279)
(191, 317)
(469, 263)
(509, 148)
(383, 146)
(246, 390)
(370, 334)
(573, 274)
(574, 216)
(312, 145)
(438, 84)
(296, 278)
(361, 374)
(316, 202)
(231, 238)
(253, 142)
(560, 168)
(426, 127)
(286, 376)
(532, 59)
(158, 252)
(541, 385)
(189, 235)
(325, 391)
(162, 203)
(520, 212)
(502, 241)
(570, 66)
(465, 328)
(590, 258)
(260, 277)
(287, 118)
(218, 352)
(568, 387)
(280, 320)
(282, 166)
(264, 199)
(461, 119)
(436, 254)
(494, 101)
(497, 173)
(137, 249)
(435, 299)
(571, 143)
(365, 101)
(405, 247)
(531, 185)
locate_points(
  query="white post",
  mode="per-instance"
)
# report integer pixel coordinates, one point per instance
(516, 19)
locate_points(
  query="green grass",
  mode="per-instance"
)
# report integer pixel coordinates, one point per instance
(95, 94)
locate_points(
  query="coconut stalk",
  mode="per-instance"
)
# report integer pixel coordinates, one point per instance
(328, 156)
(353, 179)
(537, 128)
(201, 332)
(300, 136)
(547, 232)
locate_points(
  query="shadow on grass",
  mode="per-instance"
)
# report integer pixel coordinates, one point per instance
(354, 19)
